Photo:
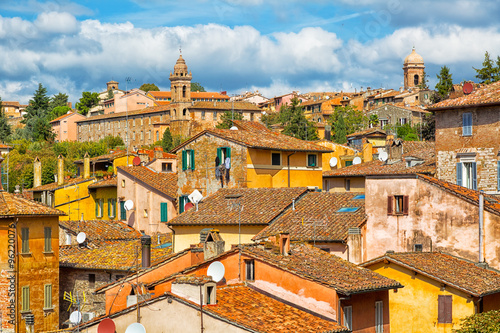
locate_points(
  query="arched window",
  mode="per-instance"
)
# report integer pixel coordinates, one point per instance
(415, 79)
(184, 91)
(184, 112)
(157, 136)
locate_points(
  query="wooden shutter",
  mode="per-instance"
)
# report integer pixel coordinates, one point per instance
(219, 155)
(123, 212)
(445, 315)
(192, 159)
(164, 211)
(109, 207)
(228, 152)
(184, 160)
(48, 239)
(48, 296)
(406, 203)
(390, 200)
(474, 176)
(459, 174)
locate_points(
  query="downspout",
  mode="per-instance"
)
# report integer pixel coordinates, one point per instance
(288, 163)
(481, 227)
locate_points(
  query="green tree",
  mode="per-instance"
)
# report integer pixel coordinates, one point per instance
(58, 111)
(340, 131)
(58, 100)
(444, 85)
(428, 127)
(195, 86)
(88, 101)
(373, 120)
(423, 85)
(167, 142)
(226, 119)
(488, 73)
(354, 119)
(5, 129)
(149, 87)
(111, 94)
(38, 106)
(112, 142)
(295, 123)
(486, 322)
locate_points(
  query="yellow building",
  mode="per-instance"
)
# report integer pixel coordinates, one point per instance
(439, 290)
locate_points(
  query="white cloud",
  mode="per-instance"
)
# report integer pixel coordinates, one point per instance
(54, 22)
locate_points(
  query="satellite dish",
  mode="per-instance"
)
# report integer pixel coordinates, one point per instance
(106, 326)
(81, 237)
(129, 205)
(234, 128)
(216, 271)
(188, 206)
(356, 160)
(135, 328)
(195, 197)
(136, 161)
(383, 156)
(468, 88)
(333, 162)
(75, 317)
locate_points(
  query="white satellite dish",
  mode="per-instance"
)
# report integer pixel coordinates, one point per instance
(383, 156)
(234, 128)
(356, 160)
(333, 162)
(81, 237)
(216, 271)
(135, 328)
(75, 317)
(129, 205)
(195, 197)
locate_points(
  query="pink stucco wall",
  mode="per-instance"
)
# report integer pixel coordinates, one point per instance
(65, 129)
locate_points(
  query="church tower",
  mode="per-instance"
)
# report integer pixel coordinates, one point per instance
(413, 69)
(180, 89)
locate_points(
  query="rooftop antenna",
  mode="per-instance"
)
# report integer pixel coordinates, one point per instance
(216, 270)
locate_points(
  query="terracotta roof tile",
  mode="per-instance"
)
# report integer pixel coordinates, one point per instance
(165, 182)
(450, 270)
(366, 132)
(14, 205)
(312, 263)
(147, 110)
(227, 106)
(66, 115)
(250, 126)
(193, 279)
(101, 230)
(249, 308)
(487, 95)
(316, 218)
(110, 182)
(55, 186)
(260, 206)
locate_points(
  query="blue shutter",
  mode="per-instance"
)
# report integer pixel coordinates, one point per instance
(164, 211)
(467, 124)
(474, 176)
(459, 174)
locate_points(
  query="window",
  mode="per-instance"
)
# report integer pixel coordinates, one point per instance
(348, 163)
(98, 208)
(183, 200)
(123, 182)
(183, 91)
(215, 115)
(202, 115)
(379, 317)
(47, 235)
(142, 135)
(157, 136)
(188, 159)
(383, 123)
(402, 121)
(91, 280)
(347, 184)
(163, 212)
(184, 112)
(111, 208)
(417, 247)
(25, 301)
(47, 296)
(415, 80)
(467, 175)
(397, 205)
(467, 124)
(166, 167)
(123, 212)
(145, 213)
(223, 153)
(444, 309)
(25, 245)
(142, 120)
(251, 116)
(312, 160)
(348, 316)
(250, 270)
(275, 158)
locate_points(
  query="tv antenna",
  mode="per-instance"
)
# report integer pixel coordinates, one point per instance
(216, 270)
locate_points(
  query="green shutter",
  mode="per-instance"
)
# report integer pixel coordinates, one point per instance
(228, 151)
(47, 296)
(164, 211)
(192, 159)
(25, 302)
(109, 207)
(123, 212)
(184, 160)
(97, 208)
(114, 207)
(181, 204)
(219, 154)
(48, 238)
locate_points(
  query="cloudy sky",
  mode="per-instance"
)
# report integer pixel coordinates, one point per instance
(275, 46)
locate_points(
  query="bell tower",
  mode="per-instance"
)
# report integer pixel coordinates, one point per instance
(180, 89)
(413, 69)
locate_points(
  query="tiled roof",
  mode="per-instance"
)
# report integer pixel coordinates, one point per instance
(147, 110)
(101, 230)
(377, 167)
(450, 270)
(54, 186)
(312, 263)
(120, 255)
(425, 150)
(9, 103)
(316, 218)
(66, 115)
(110, 182)
(5, 146)
(259, 206)
(194, 94)
(227, 106)
(164, 182)
(491, 203)
(260, 140)
(251, 309)
(485, 96)
(16, 205)
(152, 152)
(369, 131)
(250, 125)
(193, 279)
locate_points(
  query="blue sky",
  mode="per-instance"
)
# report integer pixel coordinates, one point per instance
(273, 46)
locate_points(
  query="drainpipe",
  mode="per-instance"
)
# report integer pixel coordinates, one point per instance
(481, 228)
(288, 163)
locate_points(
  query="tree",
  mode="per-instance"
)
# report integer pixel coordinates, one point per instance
(489, 73)
(5, 129)
(373, 120)
(88, 101)
(486, 322)
(36, 117)
(340, 132)
(112, 141)
(354, 119)
(111, 94)
(149, 87)
(38, 105)
(58, 100)
(167, 142)
(423, 83)
(58, 111)
(195, 86)
(295, 123)
(226, 119)
(428, 127)
(444, 85)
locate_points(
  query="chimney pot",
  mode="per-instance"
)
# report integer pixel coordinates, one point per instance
(146, 251)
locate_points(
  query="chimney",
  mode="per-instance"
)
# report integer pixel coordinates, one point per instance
(37, 172)
(86, 166)
(146, 251)
(354, 245)
(284, 243)
(328, 131)
(158, 152)
(60, 170)
(213, 244)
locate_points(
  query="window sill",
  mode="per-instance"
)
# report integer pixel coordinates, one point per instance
(48, 309)
(48, 252)
(26, 254)
(25, 312)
